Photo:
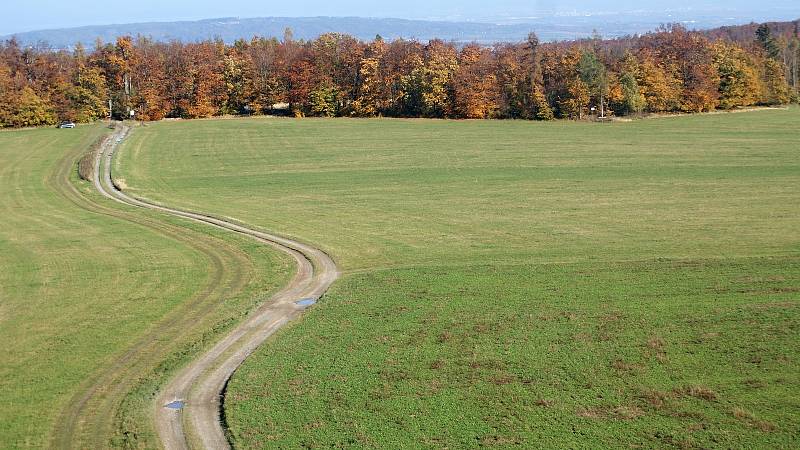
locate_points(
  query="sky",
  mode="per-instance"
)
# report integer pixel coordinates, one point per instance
(28, 15)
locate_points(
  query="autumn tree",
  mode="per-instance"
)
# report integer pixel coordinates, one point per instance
(511, 75)
(435, 78)
(774, 88)
(300, 81)
(536, 103)
(149, 97)
(116, 61)
(261, 69)
(88, 95)
(698, 73)
(7, 94)
(178, 79)
(323, 100)
(208, 93)
(793, 65)
(238, 75)
(659, 83)
(336, 60)
(671, 69)
(688, 58)
(739, 84)
(566, 90)
(26, 109)
(371, 96)
(475, 90)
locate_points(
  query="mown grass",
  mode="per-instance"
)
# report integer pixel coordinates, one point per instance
(66, 281)
(410, 192)
(510, 283)
(81, 285)
(648, 354)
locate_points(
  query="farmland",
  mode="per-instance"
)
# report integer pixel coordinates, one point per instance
(100, 303)
(566, 284)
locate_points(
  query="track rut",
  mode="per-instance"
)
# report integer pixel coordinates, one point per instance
(193, 419)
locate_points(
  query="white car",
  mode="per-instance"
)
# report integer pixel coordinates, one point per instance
(66, 125)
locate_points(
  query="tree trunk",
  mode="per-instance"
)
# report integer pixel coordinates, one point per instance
(602, 107)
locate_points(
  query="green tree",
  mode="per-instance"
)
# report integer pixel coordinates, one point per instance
(767, 41)
(633, 101)
(593, 74)
(323, 101)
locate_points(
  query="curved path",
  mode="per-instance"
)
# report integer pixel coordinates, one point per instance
(187, 412)
(97, 415)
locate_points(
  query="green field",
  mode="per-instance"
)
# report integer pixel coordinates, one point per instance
(100, 299)
(388, 193)
(548, 284)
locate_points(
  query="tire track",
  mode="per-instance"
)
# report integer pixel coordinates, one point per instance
(88, 420)
(196, 392)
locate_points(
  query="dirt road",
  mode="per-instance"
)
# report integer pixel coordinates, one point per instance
(187, 412)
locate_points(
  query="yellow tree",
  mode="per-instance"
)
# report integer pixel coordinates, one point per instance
(88, 94)
(440, 64)
(370, 98)
(238, 73)
(775, 89)
(26, 109)
(6, 94)
(568, 93)
(738, 85)
(577, 99)
(659, 83)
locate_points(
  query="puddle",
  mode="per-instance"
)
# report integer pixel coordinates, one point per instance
(177, 404)
(306, 302)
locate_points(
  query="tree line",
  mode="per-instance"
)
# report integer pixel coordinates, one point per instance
(669, 70)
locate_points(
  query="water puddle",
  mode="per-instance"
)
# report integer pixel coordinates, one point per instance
(306, 302)
(177, 404)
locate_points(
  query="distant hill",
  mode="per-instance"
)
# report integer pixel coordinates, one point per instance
(551, 28)
(231, 29)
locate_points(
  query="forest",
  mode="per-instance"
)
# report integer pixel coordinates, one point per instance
(671, 69)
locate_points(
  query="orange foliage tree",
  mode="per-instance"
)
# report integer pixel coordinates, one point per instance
(672, 69)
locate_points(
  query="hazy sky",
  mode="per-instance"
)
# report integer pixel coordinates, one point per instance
(26, 15)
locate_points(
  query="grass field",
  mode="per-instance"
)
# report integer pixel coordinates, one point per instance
(86, 296)
(558, 285)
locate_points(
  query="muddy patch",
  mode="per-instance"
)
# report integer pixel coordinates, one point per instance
(176, 405)
(306, 302)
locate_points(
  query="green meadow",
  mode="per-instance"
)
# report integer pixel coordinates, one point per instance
(513, 283)
(389, 193)
(99, 303)
(505, 283)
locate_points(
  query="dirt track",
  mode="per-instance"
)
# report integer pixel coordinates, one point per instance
(94, 415)
(200, 385)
